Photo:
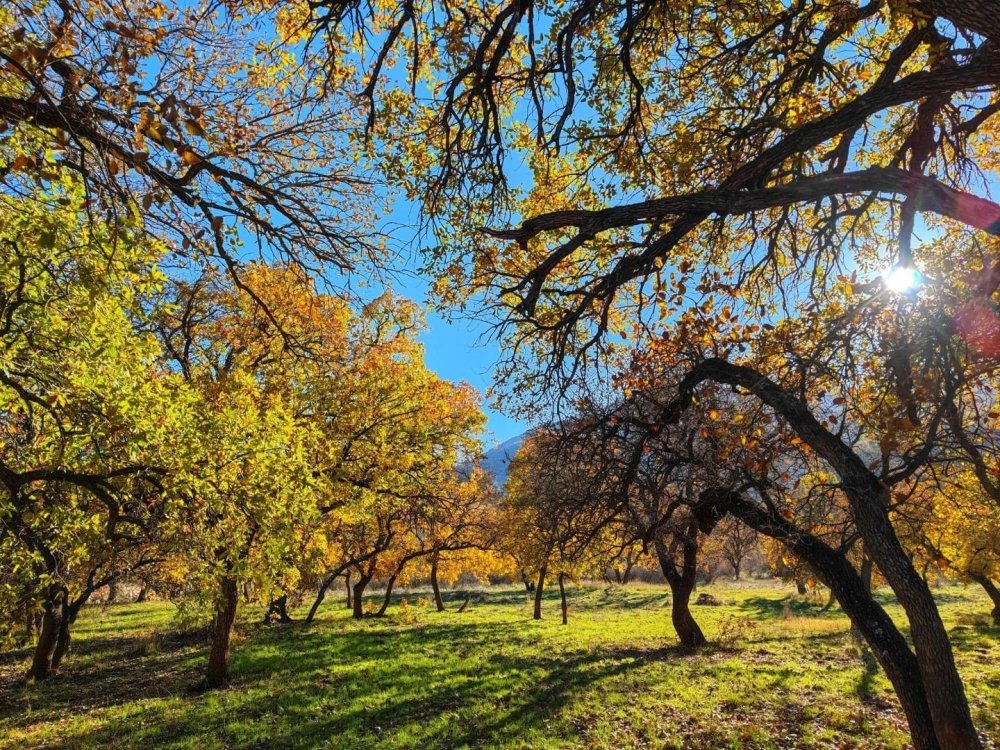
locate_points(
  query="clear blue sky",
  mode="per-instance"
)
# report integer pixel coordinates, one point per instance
(460, 349)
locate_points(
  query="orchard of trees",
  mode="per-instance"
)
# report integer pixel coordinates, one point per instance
(740, 258)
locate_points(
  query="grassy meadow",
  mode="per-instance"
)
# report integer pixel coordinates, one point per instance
(781, 672)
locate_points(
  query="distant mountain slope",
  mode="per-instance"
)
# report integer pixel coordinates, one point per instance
(498, 459)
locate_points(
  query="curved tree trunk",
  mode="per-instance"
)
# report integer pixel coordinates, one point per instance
(538, 594)
(438, 601)
(868, 498)
(887, 643)
(320, 595)
(143, 593)
(681, 584)
(388, 595)
(993, 592)
(217, 673)
(562, 599)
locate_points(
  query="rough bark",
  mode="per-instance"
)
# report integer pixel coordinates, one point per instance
(143, 593)
(879, 631)
(537, 614)
(438, 601)
(70, 612)
(217, 673)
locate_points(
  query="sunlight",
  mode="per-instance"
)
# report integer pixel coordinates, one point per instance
(901, 279)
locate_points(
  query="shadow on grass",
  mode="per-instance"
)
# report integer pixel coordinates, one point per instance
(768, 609)
(354, 684)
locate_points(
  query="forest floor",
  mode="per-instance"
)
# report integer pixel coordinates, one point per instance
(782, 673)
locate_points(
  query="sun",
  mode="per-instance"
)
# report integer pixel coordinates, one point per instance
(901, 279)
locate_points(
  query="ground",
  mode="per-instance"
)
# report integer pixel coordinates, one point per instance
(782, 672)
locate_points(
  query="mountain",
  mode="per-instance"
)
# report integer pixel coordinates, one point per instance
(498, 459)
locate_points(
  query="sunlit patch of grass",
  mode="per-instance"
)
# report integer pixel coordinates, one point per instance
(782, 672)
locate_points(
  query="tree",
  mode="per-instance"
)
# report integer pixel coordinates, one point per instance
(89, 421)
(248, 479)
(223, 135)
(738, 542)
(761, 149)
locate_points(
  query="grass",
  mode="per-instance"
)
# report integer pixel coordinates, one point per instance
(783, 672)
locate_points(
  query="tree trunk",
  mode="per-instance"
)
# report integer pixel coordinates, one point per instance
(358, 610)
(48, 635)
(278, 609)
(867, 567)
(681, 584)
(538, 594)
(388, 596)
(347, 582)
(217, 673)
(320, 595)
(112, 592)
(70, 612)
(993, 592)
(528, 585)
(868, 498)
(143, 593)
(887, 643)
(438, 601)
(736, 571)
(562, 599)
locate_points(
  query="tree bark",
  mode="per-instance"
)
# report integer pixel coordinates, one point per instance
(681, 584)
(538, 593)
(143, 593)
(112, 592)
(562, 599)
(217, 673)
(438, 601)
(48, 635)
(358, 610)
(278, 609)
(993, 592)
(388, 596)
(70, 612)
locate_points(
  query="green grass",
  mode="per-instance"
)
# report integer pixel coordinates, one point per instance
(782, 673)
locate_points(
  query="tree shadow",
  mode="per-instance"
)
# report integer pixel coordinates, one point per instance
(788, 606)
(437, 684)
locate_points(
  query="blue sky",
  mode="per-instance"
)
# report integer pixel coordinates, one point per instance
(460, 349)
